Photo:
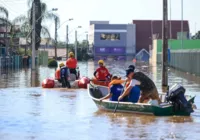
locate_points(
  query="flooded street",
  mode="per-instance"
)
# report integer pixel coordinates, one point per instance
(29, 112)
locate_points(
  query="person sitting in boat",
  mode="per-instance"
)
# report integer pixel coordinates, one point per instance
(102, 73)
(132, 88)
(115, 89)
(57, 73)
(71, 63)
(147, 86)
(64, 75)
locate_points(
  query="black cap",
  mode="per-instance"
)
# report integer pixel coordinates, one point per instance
(132, 67)
(128, 71)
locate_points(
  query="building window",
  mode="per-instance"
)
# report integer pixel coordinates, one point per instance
(110, 36)
(2, 35)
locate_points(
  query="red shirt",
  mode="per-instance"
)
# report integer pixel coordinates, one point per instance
(71, 63)
(101, 73)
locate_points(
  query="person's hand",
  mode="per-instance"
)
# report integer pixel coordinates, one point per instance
(101, 100)
(120, 98)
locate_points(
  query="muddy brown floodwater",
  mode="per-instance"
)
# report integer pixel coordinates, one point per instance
(29, 112)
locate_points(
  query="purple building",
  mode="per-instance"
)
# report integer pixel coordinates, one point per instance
(112, 40)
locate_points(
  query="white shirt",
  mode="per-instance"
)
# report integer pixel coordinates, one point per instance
(154, 102)
(134, 82)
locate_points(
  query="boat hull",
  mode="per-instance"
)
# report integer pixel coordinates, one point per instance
(164, 109)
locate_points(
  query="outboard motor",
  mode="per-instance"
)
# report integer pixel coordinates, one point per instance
(176, 96)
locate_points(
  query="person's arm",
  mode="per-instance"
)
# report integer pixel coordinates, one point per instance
(106, 97)
(67, 63)
(125, 93)
(96, 72)
(110, 91)
(128, 89)
(108, 75)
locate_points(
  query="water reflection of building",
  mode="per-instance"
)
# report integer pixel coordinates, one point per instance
(113, 40)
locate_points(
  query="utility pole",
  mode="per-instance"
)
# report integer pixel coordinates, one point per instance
(181, 24)
(170, 29)
(165, 45)
(67, 41)
(56, 28)
(87, 43)
(75, 44)
(33, 38)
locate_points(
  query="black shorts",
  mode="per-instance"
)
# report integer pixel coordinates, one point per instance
(73, 71)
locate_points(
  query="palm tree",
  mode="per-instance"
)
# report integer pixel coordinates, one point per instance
(4, 20)
(4, 11)
(26, 21)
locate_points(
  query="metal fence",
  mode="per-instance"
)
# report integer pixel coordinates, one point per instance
(17, 61)
(184, 60)
(6, 62)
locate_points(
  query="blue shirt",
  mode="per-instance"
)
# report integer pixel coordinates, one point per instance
(134, 94)
(64, 72)
(116, 91)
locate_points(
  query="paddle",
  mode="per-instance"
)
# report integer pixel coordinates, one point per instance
(118, 101)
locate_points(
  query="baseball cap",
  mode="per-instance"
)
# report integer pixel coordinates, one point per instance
(128, 71)
(132, 67)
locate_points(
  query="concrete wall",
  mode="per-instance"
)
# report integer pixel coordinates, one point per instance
(186, 59)
(131, 41)
(176, 44)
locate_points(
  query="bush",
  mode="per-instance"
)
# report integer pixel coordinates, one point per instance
(52, 63)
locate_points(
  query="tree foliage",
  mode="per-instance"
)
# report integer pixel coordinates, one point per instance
(196, 36)
(4, 11)
(41, 15)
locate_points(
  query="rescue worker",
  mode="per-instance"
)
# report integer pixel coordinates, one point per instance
(147, 86)
(71, 63)
(64, 75)
(134, 92)
(115, 89)
(57, 73)
(102, 73)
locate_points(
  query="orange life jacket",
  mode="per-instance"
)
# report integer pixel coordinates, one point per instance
(71, 63)
(116, 82)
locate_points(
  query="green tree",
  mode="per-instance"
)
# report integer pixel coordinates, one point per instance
(4, 11)
(4, 16)
(196, 36)
(26, 21)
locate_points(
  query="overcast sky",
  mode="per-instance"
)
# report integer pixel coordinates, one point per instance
(116, 11)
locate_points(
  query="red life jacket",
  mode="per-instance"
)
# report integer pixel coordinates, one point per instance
(102, 72)
(71, 63)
